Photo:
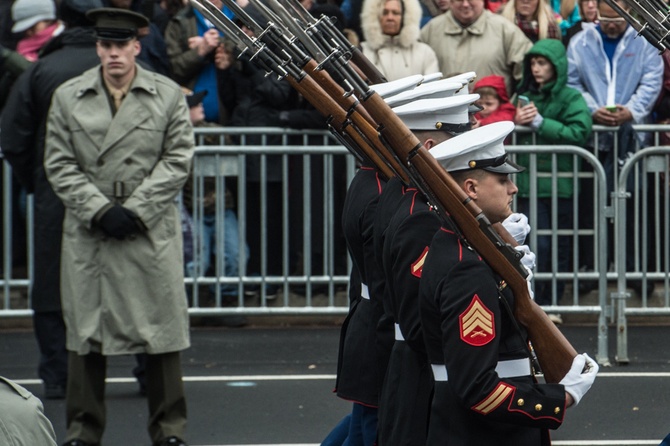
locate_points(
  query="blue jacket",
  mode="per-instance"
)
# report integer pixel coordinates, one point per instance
(636, 76)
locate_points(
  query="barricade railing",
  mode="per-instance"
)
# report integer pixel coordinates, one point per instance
(306, 260)
(548, 227)
(308, 163)
(311, 171)
(649, 263)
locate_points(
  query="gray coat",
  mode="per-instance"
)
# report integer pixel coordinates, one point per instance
(121, 296)
(22, 419)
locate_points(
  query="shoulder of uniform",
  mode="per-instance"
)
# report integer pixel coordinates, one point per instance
(83, 81)
(165, 82)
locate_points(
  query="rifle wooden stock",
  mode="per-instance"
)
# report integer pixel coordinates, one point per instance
(358, 115)
(335, 90)
(554, 351)
(327, 106)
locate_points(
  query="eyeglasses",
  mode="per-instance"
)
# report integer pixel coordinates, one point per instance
(611, 19)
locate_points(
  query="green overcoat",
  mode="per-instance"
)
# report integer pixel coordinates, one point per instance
(567, 119)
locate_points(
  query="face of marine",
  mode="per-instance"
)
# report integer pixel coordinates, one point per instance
(118, 60)
(493, 193)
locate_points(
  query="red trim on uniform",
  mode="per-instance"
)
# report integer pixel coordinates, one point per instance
(379, 183)
(448, 231)
(528, 412)
(367, 168)
(416, 268)
(477, 324)
(411, 208)
(358, 402)
(460, 250)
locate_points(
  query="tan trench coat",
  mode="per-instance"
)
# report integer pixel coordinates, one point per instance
(121, 296)
(491, 45)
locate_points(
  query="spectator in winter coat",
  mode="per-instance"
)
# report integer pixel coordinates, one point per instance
(558, 114)
(391, 32)
(620, 78)
(494, 101)
(470, 38)
(534, 17)
(36, 20)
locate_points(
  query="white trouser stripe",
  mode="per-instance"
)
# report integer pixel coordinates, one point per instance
(398, 333)
(365, 294)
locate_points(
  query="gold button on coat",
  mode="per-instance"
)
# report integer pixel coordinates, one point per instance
(520, 402)
(557, 410)
(538, 407)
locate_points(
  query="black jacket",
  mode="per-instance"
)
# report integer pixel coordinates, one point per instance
(23, 129)
(468, 327)
(359, 370)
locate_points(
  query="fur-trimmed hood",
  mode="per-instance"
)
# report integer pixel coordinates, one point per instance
(372, 30)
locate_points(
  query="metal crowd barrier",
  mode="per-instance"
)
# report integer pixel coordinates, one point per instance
(651, 246)
(302, 176)
(569, 303)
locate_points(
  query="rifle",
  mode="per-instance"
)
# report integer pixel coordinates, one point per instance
(554, 352)
(325, 25)
(346, 110)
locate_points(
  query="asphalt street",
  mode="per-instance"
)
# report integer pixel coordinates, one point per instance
(273, 386)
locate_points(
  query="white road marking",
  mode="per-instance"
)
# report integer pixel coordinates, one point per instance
(256, 378)
(229, 378)
(554, 443)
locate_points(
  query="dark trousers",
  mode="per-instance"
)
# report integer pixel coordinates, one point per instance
(50, 334)
(85, 405)
(362, 426)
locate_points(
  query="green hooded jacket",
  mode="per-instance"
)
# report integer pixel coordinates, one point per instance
(567, 119)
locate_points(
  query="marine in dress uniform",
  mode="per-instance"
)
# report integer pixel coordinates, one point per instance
(405, 397)
(361, 361)
(485, 391)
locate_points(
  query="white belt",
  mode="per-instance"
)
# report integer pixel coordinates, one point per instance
(398, 333)
(365, 294)
(504, 369)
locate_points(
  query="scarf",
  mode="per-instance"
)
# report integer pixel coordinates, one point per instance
(30, 46)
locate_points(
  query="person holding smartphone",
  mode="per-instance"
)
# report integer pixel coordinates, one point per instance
(559, 115)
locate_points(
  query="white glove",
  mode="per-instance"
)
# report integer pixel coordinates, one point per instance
(578, 381)
(518, 227)
(528, 259)
(528, 262)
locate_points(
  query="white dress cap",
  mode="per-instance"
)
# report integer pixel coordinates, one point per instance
(432, 90)
(481, 148)
(465, 79)
(448, 114)
(387, 89)
(431, 77)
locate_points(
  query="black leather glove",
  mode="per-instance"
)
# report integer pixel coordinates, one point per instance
(119, 222)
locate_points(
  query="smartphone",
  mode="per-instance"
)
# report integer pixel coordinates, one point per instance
(523, 101)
